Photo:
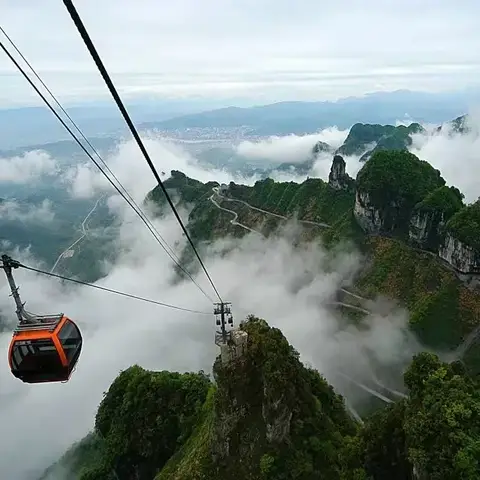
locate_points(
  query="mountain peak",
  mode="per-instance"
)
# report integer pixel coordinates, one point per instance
(269, 415)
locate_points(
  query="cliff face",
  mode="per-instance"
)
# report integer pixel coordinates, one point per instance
(427, 225)
(366, 213)
(421, 226)
(389, 185)
(398, 194)
(460, 256)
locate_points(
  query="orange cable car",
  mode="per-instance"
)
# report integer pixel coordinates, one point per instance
(43, 348)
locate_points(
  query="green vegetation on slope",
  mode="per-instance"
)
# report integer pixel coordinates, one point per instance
(398, 139)
(465, 225)
(397, 177)
(361, 135)
(78, 459)
(144, 418)
(312, 200)
(427, 228)
(444, 201)
(442, 420)
(436, 430)
(442, 309)
(385, 137)
(187, 189)
(383, 442)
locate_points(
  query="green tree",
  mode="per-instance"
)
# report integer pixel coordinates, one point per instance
(145, 417)
(442, 420)
(465, 225)
(383, 439)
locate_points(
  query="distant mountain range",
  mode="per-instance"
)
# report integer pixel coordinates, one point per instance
(308, 117)
(37, 125)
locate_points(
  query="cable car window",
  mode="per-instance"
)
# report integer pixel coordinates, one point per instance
(36, 356)
(70, 338)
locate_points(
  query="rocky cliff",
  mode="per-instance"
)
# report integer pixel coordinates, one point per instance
(399, 195)
(267, 416)
(389, 186)
(395, 194)
(429, 217)
(338, 178)
(461, 243)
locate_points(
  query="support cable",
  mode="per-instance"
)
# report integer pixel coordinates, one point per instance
(137, 211)
(17, 264)
(93, 52)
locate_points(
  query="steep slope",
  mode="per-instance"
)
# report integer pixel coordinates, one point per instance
(388, 188)
(143, 419)
(416, 234)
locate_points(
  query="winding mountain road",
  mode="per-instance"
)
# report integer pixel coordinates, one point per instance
(84, 229)
(235, 216)
(229, 199)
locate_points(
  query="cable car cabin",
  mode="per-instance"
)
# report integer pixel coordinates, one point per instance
(46, 350)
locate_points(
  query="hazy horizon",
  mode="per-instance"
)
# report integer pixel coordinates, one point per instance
(260, 50)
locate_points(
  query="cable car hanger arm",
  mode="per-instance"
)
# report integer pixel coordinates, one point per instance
(8, 265)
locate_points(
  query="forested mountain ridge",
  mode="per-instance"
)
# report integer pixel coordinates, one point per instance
(417, 233)
(365, 139)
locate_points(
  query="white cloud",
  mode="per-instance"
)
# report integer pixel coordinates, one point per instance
(43, 213)
(131, 169)
(289, 148)
(269, 278)
(316, 50)
(455, 155)
(26, 168)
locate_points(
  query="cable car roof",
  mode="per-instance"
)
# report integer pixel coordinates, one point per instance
(40, 322)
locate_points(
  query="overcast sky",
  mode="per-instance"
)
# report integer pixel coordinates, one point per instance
(307, 49)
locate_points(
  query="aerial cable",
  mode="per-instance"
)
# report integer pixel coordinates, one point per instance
(93, 52)
(79, 130)
(117, 292)
(139, 212)
(101, 170)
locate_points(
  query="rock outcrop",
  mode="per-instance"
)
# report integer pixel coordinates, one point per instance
(460, 256)
(421, 226)
(427, 224)
(366, 214)
(389, 186)
(321, 147)
(338, 178)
